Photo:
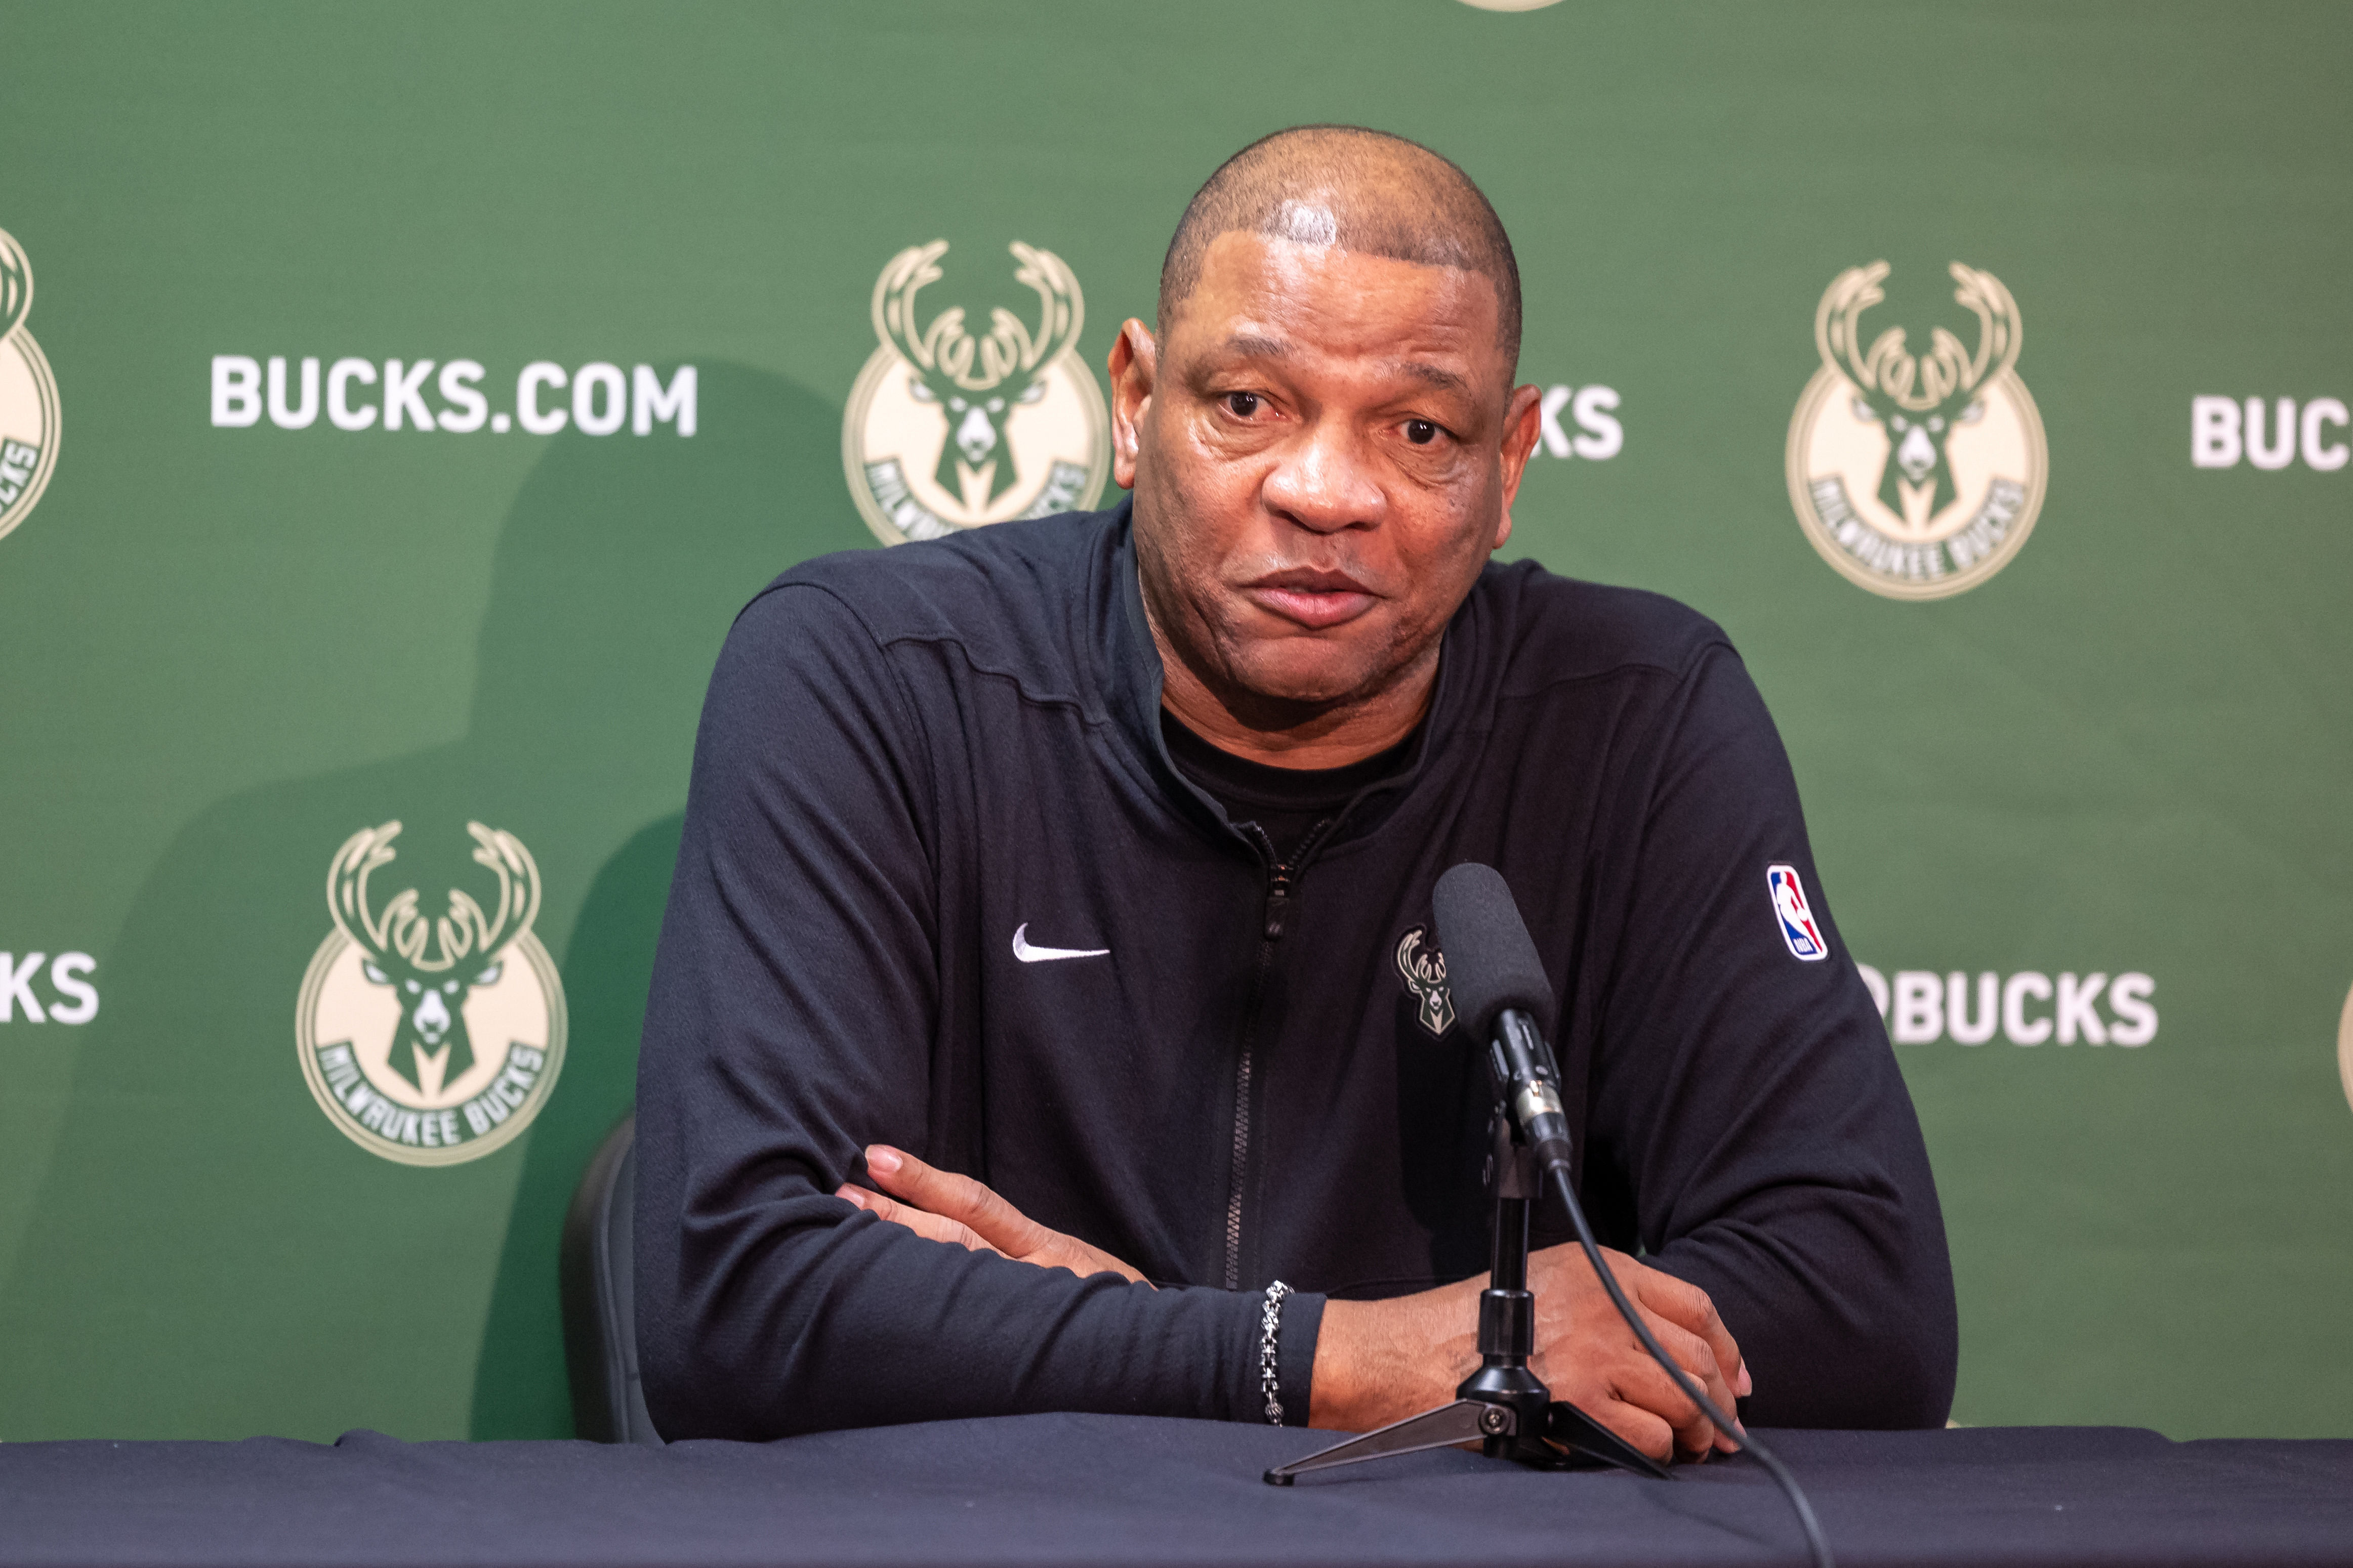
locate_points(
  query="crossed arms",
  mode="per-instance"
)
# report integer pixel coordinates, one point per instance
(1379, 1362)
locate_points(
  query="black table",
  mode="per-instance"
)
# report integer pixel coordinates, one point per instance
(1099, 1489)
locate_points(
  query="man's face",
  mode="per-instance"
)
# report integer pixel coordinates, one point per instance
(1324, 448)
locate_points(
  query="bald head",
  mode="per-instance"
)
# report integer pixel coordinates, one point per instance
(1353, 189)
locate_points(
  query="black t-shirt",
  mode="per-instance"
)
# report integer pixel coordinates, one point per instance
(1287, 803)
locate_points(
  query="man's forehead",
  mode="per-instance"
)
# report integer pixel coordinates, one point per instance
(1242, 261)
(1265, 297)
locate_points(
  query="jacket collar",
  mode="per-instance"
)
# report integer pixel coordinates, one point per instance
(1136, 678)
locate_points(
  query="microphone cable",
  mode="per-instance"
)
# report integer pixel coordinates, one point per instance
(1499, 985)
(1815, 1542)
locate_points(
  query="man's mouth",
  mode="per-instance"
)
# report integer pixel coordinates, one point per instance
(1310, 597)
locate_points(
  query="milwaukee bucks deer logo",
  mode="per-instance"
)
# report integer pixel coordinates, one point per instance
(431, 1039)
(28, 396)
(948, 430)
(1917, 476)
(1423, 970)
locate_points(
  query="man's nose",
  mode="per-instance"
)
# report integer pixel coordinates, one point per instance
(1325, 481)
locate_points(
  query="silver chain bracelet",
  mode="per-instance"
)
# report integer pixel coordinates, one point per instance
(1270, 1380)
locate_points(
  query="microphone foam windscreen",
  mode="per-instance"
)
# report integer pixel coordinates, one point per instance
(1490, 961)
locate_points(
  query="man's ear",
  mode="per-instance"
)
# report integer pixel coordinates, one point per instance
(1135, 366)
(1521, 424)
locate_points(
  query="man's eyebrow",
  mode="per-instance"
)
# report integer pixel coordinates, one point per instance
(1435, 375)
(1254, 346)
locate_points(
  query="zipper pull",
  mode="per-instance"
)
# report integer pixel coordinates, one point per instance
(1277, 894)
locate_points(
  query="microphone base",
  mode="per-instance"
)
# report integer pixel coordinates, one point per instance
(1561, 1438)
(1504, 1406)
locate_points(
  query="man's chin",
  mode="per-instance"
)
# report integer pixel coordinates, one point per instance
(1284, 679)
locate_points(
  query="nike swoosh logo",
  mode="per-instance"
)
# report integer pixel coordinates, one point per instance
(1028, 954)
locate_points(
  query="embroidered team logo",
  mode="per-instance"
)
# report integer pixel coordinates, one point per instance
(431, 1040)
(946, 430)
(28, 396)
(1796, 918)
(1917, 477)
(1423, 969)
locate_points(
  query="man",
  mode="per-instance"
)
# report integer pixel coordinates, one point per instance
(1052, 920)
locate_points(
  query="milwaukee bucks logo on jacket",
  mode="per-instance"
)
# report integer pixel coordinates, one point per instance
(1423, 969)
(28, 396)
(1916, 475)
(431, 1039)
(950, 429)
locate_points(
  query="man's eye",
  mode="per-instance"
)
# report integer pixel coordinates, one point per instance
(1242, 405)
(1420, 432)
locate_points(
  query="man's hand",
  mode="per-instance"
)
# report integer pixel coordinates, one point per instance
(949, 1208)
(1378, 1362)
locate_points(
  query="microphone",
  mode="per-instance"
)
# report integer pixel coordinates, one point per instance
(1498, 985)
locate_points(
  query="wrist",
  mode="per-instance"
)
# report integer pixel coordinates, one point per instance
(1332, 1391)
(1355, 1379)
(1379, 1362)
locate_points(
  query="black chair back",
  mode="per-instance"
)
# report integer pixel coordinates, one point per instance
(600, 1322)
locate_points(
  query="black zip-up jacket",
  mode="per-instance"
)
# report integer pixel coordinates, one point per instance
(914, 762)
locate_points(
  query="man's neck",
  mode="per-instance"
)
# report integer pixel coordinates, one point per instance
(1290, 734)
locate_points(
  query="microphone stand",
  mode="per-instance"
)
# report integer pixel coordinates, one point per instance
(1504, 1407)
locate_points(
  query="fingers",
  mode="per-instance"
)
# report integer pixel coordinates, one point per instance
(1665, 1299)
(1694, 1354)
(1697, 1359)
(1646, 1385)
(1687, 1305)
(1676, 1314)
(939, 1227)
(998, 1225)
(947, 1206)
(1638, 1427)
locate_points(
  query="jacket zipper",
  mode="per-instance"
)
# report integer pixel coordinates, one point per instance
(1282, 878)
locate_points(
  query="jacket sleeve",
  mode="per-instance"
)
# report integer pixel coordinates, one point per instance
(1748, 1110)
(793, 1020)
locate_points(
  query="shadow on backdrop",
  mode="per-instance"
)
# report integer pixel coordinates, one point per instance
(521, 1388)
(210, 1256)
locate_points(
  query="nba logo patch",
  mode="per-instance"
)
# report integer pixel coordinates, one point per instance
(1797, 927)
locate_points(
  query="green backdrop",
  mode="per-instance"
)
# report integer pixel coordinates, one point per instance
(227, 647)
